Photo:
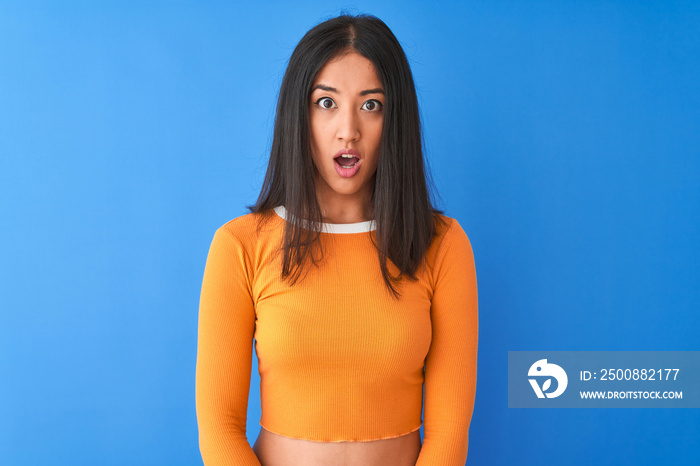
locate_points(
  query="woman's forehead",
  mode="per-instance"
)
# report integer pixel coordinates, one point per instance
(351, 71)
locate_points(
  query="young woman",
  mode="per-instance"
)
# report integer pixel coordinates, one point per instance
(355, 289)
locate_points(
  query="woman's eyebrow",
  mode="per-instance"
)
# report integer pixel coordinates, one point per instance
(377, 90)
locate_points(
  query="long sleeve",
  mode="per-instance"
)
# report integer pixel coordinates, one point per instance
(450, 366)
(224, 354)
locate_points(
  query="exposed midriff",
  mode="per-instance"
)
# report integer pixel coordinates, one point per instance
(276, 450)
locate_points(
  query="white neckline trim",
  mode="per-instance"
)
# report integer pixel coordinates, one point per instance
(359, 227)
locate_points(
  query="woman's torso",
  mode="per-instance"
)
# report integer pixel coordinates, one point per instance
(338, 356)
(276, 450)
(385, 340)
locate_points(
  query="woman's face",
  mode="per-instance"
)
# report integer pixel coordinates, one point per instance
(346, 111)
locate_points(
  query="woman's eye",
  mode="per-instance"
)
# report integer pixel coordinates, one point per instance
(373, 105)
(325, 102)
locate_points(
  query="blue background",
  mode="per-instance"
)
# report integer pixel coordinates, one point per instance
(564, 137)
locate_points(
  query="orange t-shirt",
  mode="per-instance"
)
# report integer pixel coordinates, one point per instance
(339, 358)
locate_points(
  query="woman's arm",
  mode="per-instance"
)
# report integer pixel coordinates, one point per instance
(450, 367)
(224, 354)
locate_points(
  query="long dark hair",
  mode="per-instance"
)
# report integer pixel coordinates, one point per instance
(405, 217)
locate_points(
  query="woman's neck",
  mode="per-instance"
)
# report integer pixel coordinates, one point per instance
(338, 211)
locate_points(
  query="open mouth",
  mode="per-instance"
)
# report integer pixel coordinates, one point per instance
(347, 167)
(347, 162)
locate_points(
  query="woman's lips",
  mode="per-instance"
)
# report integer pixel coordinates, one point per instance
(347, 172)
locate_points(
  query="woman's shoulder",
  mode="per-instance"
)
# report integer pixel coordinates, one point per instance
(251, 224)
(448, 230)
(443, 225)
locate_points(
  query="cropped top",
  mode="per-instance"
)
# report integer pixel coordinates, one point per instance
(339, 358)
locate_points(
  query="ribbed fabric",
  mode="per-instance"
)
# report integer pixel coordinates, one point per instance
(339, 359)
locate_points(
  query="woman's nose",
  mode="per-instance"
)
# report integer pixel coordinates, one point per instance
(348, 125)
